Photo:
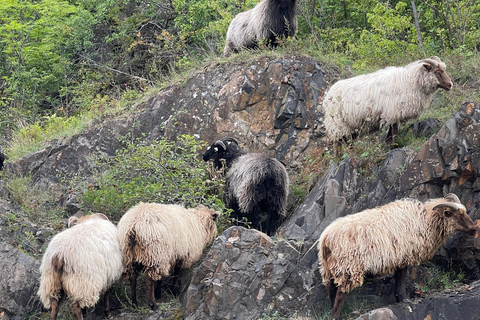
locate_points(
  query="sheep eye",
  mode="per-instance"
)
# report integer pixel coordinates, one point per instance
(448, 213)
(228, 143)
(209, 148)
(215, 149)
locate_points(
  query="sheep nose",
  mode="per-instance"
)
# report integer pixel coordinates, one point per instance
(450, 85)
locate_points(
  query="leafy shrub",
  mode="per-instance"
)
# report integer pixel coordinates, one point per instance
(161, 171)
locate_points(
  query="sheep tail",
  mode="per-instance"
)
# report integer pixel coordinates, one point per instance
(58, 262)
(132, 235)
(50, 282)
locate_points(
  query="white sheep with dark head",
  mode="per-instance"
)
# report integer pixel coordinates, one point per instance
(256, 185)
(386, 240)
(267, 21)
(158, 238)
(81, 262)
(382, 99)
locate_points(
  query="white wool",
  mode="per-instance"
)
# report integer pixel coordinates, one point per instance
(92, 261)
(388, 96)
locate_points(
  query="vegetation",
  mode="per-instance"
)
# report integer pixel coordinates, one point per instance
(73, 60)
(64, 64)
(160, 171)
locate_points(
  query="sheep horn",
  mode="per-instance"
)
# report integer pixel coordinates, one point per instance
(221, 144)
(72, 221)
(431, 61)
(230, 139)
(452, 198)
(451, 205)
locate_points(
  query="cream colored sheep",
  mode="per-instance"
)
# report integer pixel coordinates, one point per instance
(384, 240)
(82, 262)
(157, 237)
(382, 99)
(268, 20)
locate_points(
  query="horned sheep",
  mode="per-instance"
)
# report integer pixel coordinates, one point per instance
(384, 240)
(256, 184)
(81, 262)
(268, 20)
(382, 99)
(156, 238)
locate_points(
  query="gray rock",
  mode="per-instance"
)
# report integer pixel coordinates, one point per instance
(18, 283)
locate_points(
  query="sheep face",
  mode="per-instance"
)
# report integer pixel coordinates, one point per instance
(222, 151)
(441, 75)
(456, 218)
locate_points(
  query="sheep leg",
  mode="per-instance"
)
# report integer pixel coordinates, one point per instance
(176, 279)
(332, 291)
(158, 289)
(391, 137)
(133, 288)
(106, 303)
(400, 289)
(77, 311)
(150, 283)
(337, 306)
(54, 304)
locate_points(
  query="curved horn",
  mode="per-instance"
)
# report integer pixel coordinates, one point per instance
(230, 139)
(452, 197)
(221, 144)
(431, 61)
(435, 58)
(451, 205)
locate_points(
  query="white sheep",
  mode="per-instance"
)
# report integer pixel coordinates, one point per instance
(81, 262)
(384, 240)
(382, 99)
(155, 238)
(267, 21)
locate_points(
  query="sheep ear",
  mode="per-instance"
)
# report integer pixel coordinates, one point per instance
(72, 221)
(451, 197)
(428, 66)
(215, 216)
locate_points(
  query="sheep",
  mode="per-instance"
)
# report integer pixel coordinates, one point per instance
(384, 240)
(256, 185)
(268, 20)
(382, 99)
(156, 238)
(81, 262)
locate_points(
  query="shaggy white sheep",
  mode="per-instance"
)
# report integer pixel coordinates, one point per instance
(256, 185)
(82, 262)
(157, 237)
(267, 21)
(384, 240)
(382, 99)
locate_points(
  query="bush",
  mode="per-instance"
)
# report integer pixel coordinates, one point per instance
(161, 171)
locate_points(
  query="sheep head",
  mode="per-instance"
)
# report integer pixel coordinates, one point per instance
(226, 149)
(455, 217)
(437, 67)
(74, 220)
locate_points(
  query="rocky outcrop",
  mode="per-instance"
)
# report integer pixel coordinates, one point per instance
(272, 106)
(18, 283)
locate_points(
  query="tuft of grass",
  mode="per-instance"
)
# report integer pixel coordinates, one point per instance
(40, 206)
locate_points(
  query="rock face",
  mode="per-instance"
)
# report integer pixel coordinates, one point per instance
(272, 106)
(448, 162)
(18, 283)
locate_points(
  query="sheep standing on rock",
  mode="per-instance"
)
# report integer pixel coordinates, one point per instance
(81, 262)
(382, 99)
(267, 21)
(256, 187)
(156, 238)
(384, 240)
